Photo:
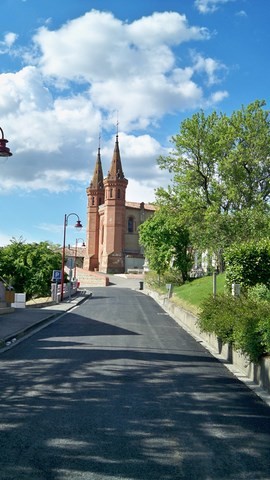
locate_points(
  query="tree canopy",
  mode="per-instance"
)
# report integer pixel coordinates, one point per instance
(220, 169)
(166, 243)
(28, 267)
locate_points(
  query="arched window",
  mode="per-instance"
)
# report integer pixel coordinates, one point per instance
(131, 225)
(93, 200)
(111, 192)
(118, 193)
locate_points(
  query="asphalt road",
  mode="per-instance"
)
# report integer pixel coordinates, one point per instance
(114, 390)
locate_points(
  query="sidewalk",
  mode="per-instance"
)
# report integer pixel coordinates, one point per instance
(17, 324)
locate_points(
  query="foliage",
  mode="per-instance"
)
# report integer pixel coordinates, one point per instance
(242, 321)
(248, 263)
(221, 183)
(28, 267)
(165, 243)
(259, 292)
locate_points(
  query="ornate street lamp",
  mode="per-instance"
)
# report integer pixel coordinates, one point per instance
(4, 150)
(78, 225)
(76, 247)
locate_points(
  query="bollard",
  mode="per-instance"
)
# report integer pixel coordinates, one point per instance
(141, 285)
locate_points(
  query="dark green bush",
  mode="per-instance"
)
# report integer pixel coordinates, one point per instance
(217, 316)
(242, 321)
(248, 263)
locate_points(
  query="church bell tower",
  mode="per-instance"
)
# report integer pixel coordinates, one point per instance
(112, 258)
(95, 198)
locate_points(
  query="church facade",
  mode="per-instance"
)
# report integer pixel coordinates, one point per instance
(112, 239)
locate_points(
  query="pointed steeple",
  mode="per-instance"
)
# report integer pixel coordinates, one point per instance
(116, 171)
(97, 180)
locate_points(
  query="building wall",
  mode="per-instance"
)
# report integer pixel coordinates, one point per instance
(135, 216)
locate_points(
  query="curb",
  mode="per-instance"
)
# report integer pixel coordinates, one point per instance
(11, 340)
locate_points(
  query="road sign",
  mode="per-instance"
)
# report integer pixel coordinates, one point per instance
(70, 263)
(56, 275)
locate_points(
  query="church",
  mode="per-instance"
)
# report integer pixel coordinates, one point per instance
(112, 238)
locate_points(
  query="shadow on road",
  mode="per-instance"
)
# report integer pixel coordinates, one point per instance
(77, 410)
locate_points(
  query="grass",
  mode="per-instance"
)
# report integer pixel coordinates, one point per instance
(191, 294)
(37, 301)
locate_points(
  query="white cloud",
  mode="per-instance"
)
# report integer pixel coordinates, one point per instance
(169, 28)
(97, 45)
(128, 67)
(210, 6)
(85, 71)
(209, 66)
(241, 13)
(9, 40)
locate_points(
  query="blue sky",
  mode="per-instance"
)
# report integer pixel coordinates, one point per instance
(69, 69)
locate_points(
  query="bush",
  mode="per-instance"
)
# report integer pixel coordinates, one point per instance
(217, 316)
(259, 292)
(242, 321)
(248, 263)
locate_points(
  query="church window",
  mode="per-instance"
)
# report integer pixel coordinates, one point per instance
(131, 225)
(118, 193)
(111, 192)
(93, 200)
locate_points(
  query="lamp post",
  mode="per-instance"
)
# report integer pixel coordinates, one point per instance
(77, 225)
(4, 150)
(76, 246)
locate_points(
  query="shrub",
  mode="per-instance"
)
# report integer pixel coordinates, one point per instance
(247, 335)
(242, 321)
(248, 263)
(217, 316)
(259, 292)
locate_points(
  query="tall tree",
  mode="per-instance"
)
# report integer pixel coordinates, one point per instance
(166, 243)
(221, 175)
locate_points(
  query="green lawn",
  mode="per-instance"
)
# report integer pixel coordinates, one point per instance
(191, 294)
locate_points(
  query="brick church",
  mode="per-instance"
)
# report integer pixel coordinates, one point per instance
(112, 239)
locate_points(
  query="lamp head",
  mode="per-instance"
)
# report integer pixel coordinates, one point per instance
(78, 225)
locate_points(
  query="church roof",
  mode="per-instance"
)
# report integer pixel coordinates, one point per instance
(140, 205)
(97, 180)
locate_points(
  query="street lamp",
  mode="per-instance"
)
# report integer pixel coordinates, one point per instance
(76, 246)
(77, 225)
(4, 150)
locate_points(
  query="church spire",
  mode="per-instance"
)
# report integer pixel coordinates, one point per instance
(97, 180)
(116, 171)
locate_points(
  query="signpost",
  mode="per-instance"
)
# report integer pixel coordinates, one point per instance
(56, 277)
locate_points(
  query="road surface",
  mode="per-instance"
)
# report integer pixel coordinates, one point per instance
(115, 389)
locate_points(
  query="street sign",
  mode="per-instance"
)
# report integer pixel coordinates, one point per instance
(70, 263)
(56, 275)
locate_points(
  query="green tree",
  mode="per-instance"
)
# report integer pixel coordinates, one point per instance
(166, 243)
(221, 176)
(28, 267)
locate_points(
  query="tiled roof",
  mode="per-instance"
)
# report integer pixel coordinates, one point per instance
(137, 205)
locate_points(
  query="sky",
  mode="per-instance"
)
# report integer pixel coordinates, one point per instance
(74, 72)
